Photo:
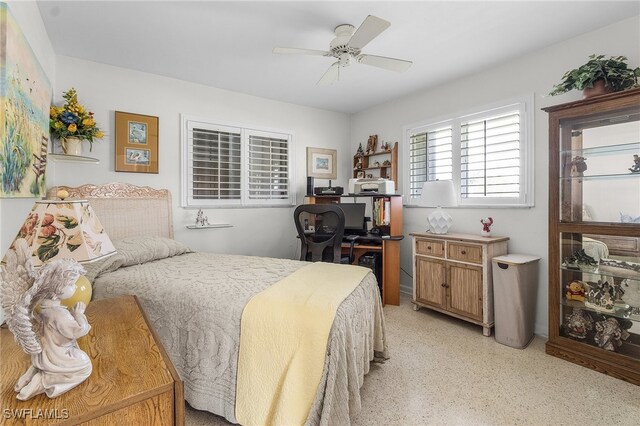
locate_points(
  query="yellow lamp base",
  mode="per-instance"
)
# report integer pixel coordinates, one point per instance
(82, 294)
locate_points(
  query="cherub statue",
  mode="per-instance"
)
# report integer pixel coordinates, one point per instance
(49, 336)
(486, 226)
(201, 219)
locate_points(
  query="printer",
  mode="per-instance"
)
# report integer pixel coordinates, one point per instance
(371, 186)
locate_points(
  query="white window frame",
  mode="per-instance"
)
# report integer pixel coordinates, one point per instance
(188, 121)
(525, 106)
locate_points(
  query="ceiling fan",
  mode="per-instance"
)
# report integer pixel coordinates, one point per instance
(348, 45)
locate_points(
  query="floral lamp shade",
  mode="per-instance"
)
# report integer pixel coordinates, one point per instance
(67, 229)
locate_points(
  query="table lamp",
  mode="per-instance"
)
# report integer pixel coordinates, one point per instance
(39, 272)
(438, 193)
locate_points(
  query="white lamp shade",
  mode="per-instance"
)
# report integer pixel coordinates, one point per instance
(66, 229)
(438, 193)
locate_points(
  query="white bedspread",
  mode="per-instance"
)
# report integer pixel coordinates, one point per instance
(195, 303)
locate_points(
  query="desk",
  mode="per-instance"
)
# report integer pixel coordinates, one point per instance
(133, 381)
(389, 248)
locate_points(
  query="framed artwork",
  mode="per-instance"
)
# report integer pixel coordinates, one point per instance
(25, 98)
(360, 174)
(136, 143)
(321, 163)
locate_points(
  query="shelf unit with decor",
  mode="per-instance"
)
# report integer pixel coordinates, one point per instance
(594, 256)
(367, 162)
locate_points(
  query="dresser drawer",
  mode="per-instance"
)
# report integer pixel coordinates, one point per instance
(430, 247)
(464, 252)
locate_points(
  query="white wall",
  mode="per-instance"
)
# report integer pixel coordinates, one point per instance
(13, 211)
(533, 73)
(258, 231)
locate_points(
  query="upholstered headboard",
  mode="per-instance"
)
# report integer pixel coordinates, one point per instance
(126, 210)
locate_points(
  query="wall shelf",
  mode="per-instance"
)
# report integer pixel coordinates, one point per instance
(72, 159)
(210, 226)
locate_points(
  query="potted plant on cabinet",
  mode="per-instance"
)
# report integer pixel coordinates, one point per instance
(599, 76)
(72, 123)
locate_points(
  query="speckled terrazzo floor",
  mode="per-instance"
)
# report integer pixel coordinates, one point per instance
(443, 371)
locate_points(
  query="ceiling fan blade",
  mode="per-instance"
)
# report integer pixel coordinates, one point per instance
(368, 30)
(331, 76)
(296, 51)
(391, 64)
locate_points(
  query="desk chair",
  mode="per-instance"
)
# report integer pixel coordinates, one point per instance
(324, 244)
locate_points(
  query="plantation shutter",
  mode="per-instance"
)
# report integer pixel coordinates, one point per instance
(268, 168)
(430, 157)
(215, 163)
(490, 156)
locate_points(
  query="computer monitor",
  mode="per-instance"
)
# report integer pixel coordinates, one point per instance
(353, 216)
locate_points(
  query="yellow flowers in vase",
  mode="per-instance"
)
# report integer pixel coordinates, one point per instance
(72, 120)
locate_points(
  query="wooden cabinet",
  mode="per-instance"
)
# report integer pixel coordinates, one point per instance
(452, 274)
(594, 249)
(382, 164)
(133, 381)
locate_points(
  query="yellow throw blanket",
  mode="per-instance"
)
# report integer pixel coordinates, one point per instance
(283, 343)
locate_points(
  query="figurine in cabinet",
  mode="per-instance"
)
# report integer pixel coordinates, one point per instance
(636, 164)
(575, 291)
(610, 334)
(358, 164)
(578, 323)
(600, 297)
(360, 151)
(371, 144)
(578, 165)
(632, 295)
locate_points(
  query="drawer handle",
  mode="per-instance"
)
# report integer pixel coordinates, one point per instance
(463, 252)
(443, 285)
(428, 247)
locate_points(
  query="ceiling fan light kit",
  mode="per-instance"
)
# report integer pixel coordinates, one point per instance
(348, 45)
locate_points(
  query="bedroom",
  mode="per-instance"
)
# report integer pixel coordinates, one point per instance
(107, 88)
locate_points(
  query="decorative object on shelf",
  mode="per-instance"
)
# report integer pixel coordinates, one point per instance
(438, 193)
(600, 297)
(371, 144)
(599, 76)
(360, 151)
(578, 323)
(636, 164)
(579, 259)
(620, 268)
(72, 123)
(632, 295)
(610, 334)
(386, 163)
(575, 291)
(627, 218)
(321, 163)
(201, 219)
(360, 175)
(369, 175)
(376, 164)
(55, 237)
(385, 146)
(358, 164)
(578, 166)
(486, 226)
(24, 122)
(136, 142)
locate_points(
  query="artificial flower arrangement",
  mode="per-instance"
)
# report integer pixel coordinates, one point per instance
(72, 120)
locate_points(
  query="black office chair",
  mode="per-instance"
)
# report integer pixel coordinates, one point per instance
(324, 243)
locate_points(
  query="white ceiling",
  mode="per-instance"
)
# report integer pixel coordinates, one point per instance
(228, 44)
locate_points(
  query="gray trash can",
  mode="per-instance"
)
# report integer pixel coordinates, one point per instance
(515, 285)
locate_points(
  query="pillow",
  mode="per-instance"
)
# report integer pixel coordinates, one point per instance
(94, 269)
(138, 250)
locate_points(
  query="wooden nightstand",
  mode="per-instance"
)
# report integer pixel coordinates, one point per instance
(133, 381)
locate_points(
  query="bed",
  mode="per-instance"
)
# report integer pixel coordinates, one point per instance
(195, 303)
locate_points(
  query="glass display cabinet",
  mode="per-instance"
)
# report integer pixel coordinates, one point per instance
(594, 233)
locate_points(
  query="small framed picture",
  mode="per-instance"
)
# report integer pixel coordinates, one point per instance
(321, 163)
(136, 143)
(360, 174)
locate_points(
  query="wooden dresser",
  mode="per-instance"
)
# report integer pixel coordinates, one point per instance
(133, 381)
(452, 275)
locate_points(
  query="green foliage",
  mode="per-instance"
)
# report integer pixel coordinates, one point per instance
(614, 71)
(15, 158)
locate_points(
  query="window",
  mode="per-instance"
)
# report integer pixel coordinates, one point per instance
(234, 165)
(486, 154)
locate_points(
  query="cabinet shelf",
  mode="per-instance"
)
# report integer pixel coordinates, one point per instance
(625, 148)
(362, 163)
(627, 175)
(376, 153)
(618, 310)
(597, 271)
